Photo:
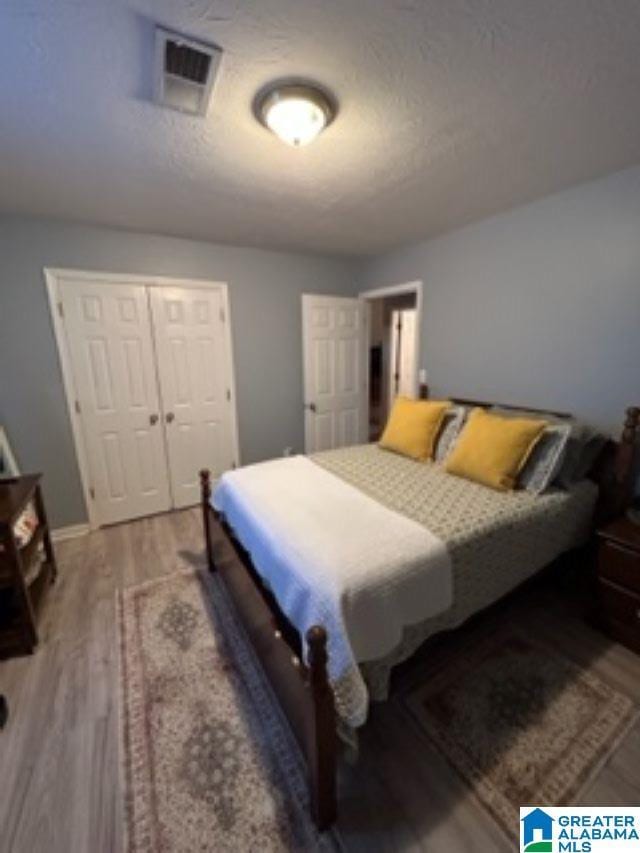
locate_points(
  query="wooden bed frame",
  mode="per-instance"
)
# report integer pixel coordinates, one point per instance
(303, 690)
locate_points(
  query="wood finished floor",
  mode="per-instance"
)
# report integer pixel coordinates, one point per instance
(59, 772)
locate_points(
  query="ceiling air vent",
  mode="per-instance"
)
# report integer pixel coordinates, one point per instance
(185, 71)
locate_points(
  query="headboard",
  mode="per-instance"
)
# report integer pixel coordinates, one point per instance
(485, 405)
(613, 471)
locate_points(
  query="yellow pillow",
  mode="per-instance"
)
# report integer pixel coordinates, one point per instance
(413, 426)
(492, 450)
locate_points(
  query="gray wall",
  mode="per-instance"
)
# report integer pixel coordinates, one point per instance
(540, 305)
(264, 292)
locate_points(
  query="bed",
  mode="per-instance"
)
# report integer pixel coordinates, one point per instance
(328, 644)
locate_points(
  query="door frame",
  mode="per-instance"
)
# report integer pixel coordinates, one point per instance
(52, 276)
(399, 290)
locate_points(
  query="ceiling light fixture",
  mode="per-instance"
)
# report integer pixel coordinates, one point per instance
(295, 112)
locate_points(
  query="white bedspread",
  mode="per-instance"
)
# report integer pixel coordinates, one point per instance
(334, 556)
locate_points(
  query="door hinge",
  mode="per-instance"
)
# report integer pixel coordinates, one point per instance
(228, 395)
(223, 316)
(61, 310)
(77, 407)
(92, 493)
(233, 464)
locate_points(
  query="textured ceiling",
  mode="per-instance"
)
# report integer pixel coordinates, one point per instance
(449, 110)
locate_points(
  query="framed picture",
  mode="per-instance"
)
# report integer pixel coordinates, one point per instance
(8, 464)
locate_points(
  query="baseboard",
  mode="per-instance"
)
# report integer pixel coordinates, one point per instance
(70, 532)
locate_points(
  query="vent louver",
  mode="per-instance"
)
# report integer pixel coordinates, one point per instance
(180, 60)
(185, 71)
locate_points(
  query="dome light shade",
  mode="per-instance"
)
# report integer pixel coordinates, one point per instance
(296, 113)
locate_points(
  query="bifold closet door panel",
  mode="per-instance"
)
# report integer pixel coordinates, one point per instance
(110, 344)
(194, 379)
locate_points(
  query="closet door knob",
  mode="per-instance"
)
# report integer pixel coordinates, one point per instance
(170, 417)
(153, 419)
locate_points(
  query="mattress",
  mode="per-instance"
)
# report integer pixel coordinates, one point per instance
(493, 541)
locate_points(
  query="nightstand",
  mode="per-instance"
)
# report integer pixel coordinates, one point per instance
(25, 571)
(619, 581)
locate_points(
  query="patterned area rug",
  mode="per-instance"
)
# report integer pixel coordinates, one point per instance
(209, 763)
(522, 724)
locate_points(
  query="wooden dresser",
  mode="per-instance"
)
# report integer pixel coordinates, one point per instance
(619, 581)
(25, 572)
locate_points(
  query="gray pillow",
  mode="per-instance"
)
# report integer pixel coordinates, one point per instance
(453, 421)
(546, 459)
(583, 448)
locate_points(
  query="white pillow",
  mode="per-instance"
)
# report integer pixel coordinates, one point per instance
(451, 426)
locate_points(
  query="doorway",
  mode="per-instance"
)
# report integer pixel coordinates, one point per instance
(393, 349)
(148, 372)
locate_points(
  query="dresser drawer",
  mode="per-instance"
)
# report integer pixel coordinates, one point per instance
(620, 565)
(622, 614)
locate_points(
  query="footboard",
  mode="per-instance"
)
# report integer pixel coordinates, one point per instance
(303, 691)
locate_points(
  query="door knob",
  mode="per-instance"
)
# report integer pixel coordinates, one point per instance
(170, 417)
(153, 419)
(311, 407)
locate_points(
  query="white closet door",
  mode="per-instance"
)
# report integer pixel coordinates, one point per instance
(111, 350)
(194, 377)
(335, 379)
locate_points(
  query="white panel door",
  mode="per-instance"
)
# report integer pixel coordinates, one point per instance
(195, 385)
(402, 379)
(111, 351)
(335, 376)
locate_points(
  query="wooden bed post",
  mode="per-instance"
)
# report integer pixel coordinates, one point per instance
(322, 733)
(625, 457)
(614, 471)
(205, 496)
